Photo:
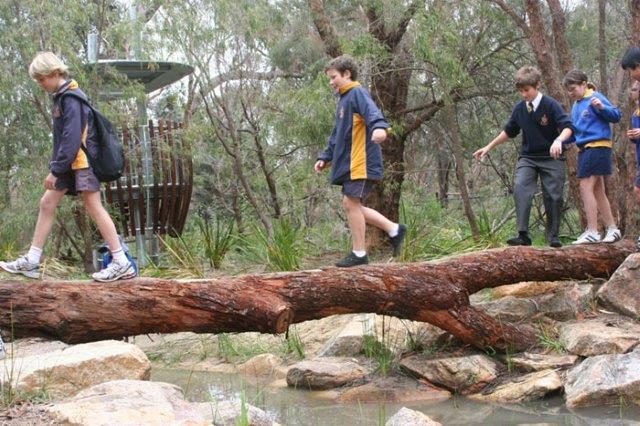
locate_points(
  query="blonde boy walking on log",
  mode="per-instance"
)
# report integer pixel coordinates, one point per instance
(69, 172)
(355, 157)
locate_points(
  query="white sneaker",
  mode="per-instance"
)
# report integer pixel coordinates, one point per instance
(114, 271)
(613, 235)
(22, 266)
(587, 237)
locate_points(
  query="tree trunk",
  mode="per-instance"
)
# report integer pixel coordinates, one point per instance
(602, 46)
(433, 292)
(451, 120)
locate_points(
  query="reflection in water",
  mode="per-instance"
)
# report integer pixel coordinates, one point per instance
(304, 408)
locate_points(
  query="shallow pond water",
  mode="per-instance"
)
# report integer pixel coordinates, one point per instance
(293, 407)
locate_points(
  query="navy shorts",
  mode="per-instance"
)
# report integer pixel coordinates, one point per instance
(357, 188)
(594, 162)
(76, 181)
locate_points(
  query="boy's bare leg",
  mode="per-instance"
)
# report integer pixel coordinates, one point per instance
(373, 217)
(353, 208)
(604, 207)
(48, 204)
(589, 201)
(101, 217)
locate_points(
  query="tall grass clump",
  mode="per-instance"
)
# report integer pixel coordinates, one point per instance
(281, 251)
(217, 240)
(183, 254)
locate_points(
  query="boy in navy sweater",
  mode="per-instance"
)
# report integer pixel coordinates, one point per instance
(69, 172)
(545, 127)
(355, 157)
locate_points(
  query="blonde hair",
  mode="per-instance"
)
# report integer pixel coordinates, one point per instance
(528, 76)
(47, 63)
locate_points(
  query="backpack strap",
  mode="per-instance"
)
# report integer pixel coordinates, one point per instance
(86, 123)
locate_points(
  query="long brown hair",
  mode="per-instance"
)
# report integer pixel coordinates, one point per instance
(577, 77)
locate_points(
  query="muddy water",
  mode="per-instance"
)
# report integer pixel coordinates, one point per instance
(299, 407)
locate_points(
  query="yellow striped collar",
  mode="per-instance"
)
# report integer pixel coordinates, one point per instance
(344, 89)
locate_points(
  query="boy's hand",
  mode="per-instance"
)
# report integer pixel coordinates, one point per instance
(633, 133)
(379, 135)
(597, 103)
(479, 154)
(50, 181)
(321, 165)
(556, 149)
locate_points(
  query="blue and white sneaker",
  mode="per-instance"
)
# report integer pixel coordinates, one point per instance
(22, 266)
(588, 237)
(114, 271)
(613, 235)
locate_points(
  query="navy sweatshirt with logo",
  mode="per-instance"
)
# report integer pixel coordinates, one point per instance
(539, 128)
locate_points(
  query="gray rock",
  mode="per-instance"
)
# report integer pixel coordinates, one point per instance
(567, 302)
(597, 336)
(229, 413)
(349, 341)
(604, 380)
(64, 372)
(324, 373)
(534, 362)
(397, 389)
(529, 387)
(464, 374)
(622, 292)
(405, 416)
(509, 308)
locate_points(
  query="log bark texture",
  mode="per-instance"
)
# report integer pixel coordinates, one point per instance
(434, 292)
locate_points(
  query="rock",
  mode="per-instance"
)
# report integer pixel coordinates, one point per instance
(604, 380)
(349, 341)
(64, 372)
(524, 388)
(463, 374)
(597, 336)
(324, 373)
(262, 365)
(568, 302)
(530, 288)
(622, 292)
(397, 389)
(405, 416)
(130, 402)
(534, 362)
(32, 346)
(510, 309)
(229, 413)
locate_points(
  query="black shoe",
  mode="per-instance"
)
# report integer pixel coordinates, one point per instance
(520, 240)
(352, 260)
(555, 242)
(396, 242)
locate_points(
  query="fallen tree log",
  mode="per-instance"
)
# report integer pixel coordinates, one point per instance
(434, 292)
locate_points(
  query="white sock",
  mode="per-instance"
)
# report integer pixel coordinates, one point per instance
(34, 254)
(360, 253)
(119, 257)
(394, 230)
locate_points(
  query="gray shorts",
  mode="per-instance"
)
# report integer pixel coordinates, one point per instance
(76, 181)
(357, 188)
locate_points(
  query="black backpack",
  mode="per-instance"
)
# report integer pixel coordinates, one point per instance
(108, 163)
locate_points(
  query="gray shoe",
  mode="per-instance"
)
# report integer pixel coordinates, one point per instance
(22, 266)
(114, 272)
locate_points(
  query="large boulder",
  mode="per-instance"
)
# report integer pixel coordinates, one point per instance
(349, 341)
(604, 380)
(598, 336)
(509, 308)
(622, 292)
(529, 387)
(405, 416)
(324, 373)
(397, 389)
(263, 365)
(64, 372)
(527, 361)
(568, 302)
(130, 402)
(463, 374)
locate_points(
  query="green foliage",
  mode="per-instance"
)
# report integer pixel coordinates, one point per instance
(379, 352)
(183, 254)
(293, 343)
(216, 241)
(281, 251)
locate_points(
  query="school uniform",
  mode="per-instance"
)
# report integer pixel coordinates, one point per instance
(71, 129)
(540, 122)
(635, 124)
(593, 134)
(356, 161)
